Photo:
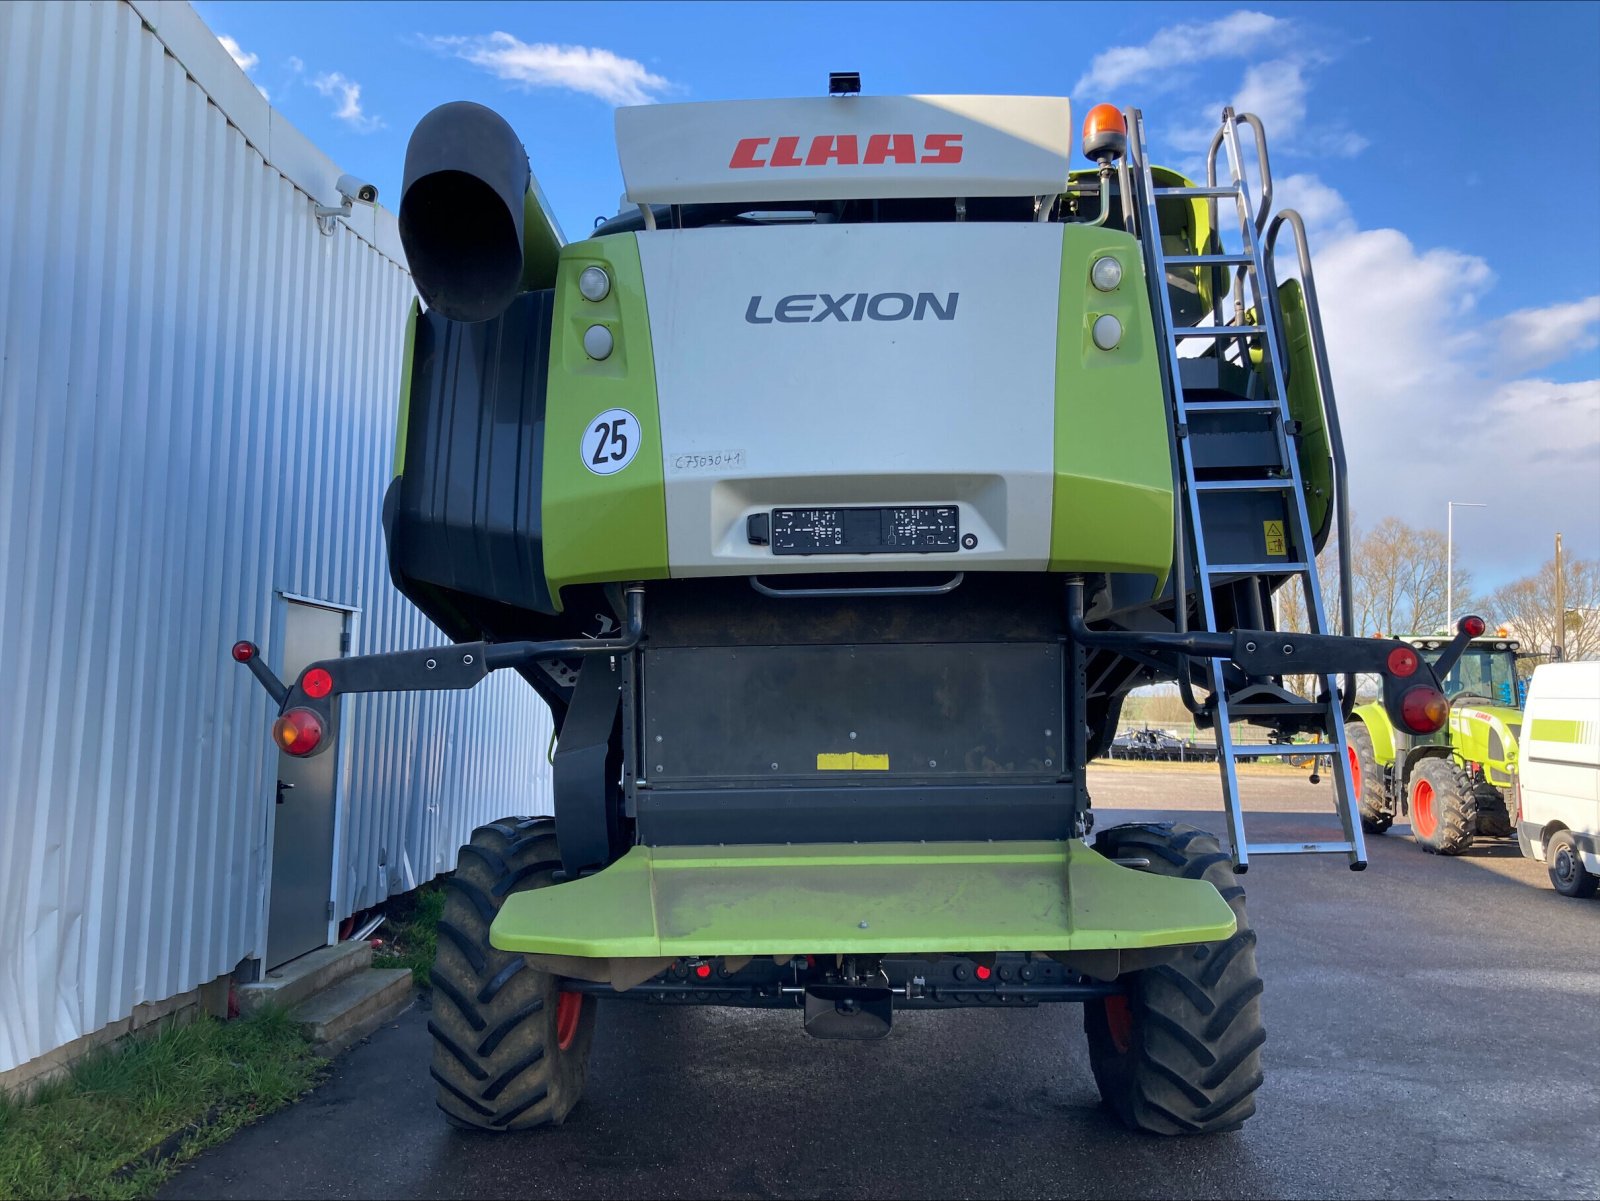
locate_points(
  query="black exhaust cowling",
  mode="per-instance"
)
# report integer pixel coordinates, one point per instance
(461, 211)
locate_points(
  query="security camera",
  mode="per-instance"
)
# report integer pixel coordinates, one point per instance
(352, 188)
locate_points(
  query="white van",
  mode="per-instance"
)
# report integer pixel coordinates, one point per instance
(1558, 783)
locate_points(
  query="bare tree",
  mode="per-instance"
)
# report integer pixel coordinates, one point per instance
(1528, 606)
(1399, 579)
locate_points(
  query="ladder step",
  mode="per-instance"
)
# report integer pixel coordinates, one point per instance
(1208, 260)
(1283, 568)
(1219, 190)
(1241, 485)
(1300, 848)
(1232, 406)
(1216, 331)
(1266, 750)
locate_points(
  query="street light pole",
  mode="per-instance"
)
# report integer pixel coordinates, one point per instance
(1450, 554)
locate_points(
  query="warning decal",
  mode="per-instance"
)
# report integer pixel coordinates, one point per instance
(851, 761)
(1275, 540)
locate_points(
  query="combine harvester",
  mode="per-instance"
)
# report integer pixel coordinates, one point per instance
(834, 495)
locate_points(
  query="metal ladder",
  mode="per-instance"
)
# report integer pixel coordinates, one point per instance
(1250, 267)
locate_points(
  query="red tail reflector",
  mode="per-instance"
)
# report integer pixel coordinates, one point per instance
(1424, 709)
(702, 970)
(298, 732)
(318, 683)
(982, 973)
(1473, 626)
(1402, 661)
(243, 652)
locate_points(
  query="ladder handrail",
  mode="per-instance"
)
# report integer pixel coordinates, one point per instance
(1330, 419)
(1263, 163)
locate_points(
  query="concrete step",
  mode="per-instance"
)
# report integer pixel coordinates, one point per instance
(349, 1010)
(299, 978)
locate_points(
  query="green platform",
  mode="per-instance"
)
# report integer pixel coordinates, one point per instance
(883, 898)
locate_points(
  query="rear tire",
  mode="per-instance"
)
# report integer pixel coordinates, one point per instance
(1494, 814)
(1444, 812)
(1180, 1053)
(1366, 777)
(1567, 872)
(510, 1049)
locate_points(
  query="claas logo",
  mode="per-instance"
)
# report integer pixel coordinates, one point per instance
(845, 150)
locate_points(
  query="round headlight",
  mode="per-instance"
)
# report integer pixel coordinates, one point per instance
(594, 284)
(1107, 331)
(1106, 273)
(597, 342)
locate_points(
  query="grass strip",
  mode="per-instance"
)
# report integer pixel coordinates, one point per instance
(411, 935)
(129, 1113)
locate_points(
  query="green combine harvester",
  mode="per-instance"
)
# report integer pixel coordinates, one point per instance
(834, 495)
(1455, 784)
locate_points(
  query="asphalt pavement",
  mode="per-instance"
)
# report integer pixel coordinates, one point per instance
(1432, 1031)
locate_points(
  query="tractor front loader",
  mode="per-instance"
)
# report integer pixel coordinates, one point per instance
(834, 495)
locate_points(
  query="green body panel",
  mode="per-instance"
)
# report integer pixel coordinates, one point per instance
(885, 898)
(601, 528)
(1474, 730)
(1112, 505)
(403, 416)
(541, 243)
(1376, 719)
(1305, 406)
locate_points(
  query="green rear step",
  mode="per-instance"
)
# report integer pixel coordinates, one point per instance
(882, 898)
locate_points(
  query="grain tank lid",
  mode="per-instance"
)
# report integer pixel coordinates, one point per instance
(845, 147)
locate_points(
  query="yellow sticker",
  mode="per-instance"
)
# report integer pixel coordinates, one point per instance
(1275, 541)
(851, 761)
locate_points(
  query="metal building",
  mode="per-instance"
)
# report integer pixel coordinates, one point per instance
(197, 405)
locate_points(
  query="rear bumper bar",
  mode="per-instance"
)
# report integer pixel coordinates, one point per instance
(867, 899)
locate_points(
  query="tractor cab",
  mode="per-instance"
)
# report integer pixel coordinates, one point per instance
(1486, 671)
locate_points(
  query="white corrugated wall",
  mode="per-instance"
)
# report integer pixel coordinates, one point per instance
(197, 397)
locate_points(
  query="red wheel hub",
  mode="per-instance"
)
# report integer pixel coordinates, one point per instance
(1119, 1022)
(1355, 773)
(569, 1008)
(1423, 818)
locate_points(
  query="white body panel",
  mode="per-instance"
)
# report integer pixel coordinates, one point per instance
(910, 411)
(824, 148)
(1560, 779)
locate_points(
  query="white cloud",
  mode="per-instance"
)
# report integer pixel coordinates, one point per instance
(247, 61)
(348, 93)
(1275, 91)
(587, 69)
(1428, 411)
(1236, 35)
(1322, 209)
(1533, 338)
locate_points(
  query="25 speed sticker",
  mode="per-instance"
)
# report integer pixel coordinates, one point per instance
(610, 441)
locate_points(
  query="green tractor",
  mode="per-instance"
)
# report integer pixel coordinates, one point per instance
(834, 496)
(1455, 784)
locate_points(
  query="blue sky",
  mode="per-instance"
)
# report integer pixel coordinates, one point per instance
(1447, 157)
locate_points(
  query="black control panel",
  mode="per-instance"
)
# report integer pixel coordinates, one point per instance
(920, 529)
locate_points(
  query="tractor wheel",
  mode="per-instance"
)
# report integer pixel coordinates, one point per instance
(510, 1048)
(1494, 814)
(1444, 813)
(1180, 1051)
(1366, 779)
(1567, 872)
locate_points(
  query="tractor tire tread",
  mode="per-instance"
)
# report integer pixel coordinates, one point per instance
(496, 1058)
(1193, 1062)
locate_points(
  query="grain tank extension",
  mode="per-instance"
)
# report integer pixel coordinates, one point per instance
(834, 494)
